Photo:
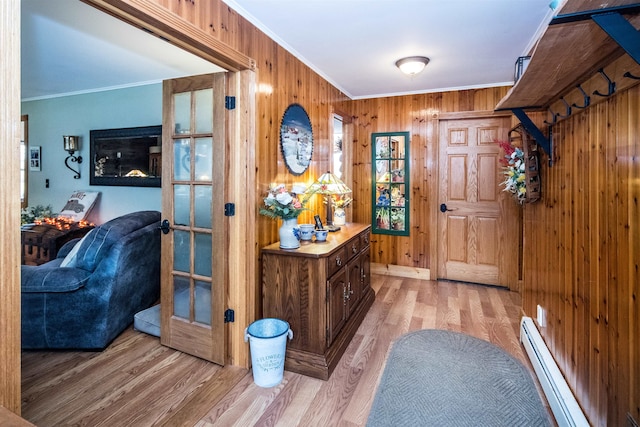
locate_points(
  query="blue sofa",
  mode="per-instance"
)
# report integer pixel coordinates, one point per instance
(89, 294)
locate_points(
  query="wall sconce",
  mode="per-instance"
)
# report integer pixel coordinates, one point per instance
(412, 65)
(71, 145)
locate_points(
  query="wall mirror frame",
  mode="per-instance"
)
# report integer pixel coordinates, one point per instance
(126, 156)
(296, 139)
(390, 186)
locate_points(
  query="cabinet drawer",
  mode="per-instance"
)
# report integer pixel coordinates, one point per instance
(364, 239)
(353, 247)
(336, 261)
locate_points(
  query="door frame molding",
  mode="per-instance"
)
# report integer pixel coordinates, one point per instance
(435, 189)
(241, 122)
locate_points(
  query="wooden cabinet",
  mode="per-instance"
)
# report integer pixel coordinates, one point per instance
(323, 290)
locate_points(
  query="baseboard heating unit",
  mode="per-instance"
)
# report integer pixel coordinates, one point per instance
(563, 404)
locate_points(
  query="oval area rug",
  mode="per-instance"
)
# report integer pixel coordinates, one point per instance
(442, 378)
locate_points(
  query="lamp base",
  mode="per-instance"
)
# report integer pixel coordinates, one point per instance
(331, 228)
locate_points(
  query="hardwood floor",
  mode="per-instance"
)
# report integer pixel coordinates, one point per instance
(138, 382)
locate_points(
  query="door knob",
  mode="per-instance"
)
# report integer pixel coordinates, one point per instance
(444, 208)
(165, 226)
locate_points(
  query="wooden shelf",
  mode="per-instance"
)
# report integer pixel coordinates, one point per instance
(565, 56)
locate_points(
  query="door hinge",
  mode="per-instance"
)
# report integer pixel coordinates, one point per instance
(229, 316)
(229, 209)
(230, 102)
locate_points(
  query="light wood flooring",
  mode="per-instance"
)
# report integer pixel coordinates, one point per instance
(138, 382)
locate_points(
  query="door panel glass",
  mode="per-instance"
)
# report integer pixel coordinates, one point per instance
(202, 254)
(181, 251)
(181, 297)
(182, 112)
(181, 203)
(181, 160)
(203, 302)
(204, 159)
(202, 205)
(204, 110)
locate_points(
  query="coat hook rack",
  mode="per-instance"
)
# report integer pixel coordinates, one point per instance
(631, 76)
(611, 88)
(587, 99)
(554, 118)
(567, 110)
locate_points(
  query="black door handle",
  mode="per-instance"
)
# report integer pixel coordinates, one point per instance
(443, 208)
(165, 226)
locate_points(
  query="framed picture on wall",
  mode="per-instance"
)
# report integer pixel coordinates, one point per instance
(296, 139)
(34, 158)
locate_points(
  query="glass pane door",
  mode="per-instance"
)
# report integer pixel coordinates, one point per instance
(193, 318)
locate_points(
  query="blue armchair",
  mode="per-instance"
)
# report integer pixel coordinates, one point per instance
(89, 294)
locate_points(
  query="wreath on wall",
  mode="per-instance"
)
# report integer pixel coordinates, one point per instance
(521, 166)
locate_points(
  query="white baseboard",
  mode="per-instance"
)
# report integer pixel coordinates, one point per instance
(564, 406)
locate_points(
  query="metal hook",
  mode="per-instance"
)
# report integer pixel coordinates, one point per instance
(612, 85)
(567, 111)
(587, 99)
(554, 118)
(631, 76)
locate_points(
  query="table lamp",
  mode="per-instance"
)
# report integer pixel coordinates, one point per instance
(329, 185)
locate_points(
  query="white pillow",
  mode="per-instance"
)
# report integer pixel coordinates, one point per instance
(70, 259)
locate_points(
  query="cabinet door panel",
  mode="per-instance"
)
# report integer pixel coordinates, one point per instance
(336, 307)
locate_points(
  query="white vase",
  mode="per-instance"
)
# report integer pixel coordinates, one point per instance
(339, 216)
(289, 234)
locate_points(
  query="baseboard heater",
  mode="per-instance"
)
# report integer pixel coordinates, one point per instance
(563, 404)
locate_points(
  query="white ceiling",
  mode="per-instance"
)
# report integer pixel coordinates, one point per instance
(69, 47)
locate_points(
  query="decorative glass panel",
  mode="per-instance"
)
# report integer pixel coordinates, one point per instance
(204, 159)
(202, 251)
(181, 203)
(203, 302)
(390, 192)
(204, 111)
(181, 250)
(182, 160)
(202, 206)
(181, 297)
(182, 112)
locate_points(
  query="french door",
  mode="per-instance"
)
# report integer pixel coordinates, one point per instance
(193, 187)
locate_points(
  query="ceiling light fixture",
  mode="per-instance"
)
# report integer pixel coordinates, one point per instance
(412, 65)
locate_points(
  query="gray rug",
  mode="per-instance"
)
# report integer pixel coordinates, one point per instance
(442, 378)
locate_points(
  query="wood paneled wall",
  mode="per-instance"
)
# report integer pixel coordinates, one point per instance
(418, 114)
(582, 256)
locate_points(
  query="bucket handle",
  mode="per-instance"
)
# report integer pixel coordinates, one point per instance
(246, 334)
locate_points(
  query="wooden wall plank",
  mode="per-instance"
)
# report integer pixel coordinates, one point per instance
(581, 250)
(418, 114)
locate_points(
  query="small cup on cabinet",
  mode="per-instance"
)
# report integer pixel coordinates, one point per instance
(321, 235)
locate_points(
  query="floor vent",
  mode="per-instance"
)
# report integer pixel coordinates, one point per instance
(563, 404)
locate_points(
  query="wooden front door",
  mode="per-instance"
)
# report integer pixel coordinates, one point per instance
(477, 222)
(194, 252)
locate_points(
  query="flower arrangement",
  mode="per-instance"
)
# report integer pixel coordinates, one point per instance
(342, 201)
(31, 214)
(282, 204)
(513, 163)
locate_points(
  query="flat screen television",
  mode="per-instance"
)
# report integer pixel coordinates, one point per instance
(126, 156)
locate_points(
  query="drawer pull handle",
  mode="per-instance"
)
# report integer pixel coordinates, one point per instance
(338, 261)
(354, 249)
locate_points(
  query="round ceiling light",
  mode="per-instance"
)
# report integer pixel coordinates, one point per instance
(412, 65)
